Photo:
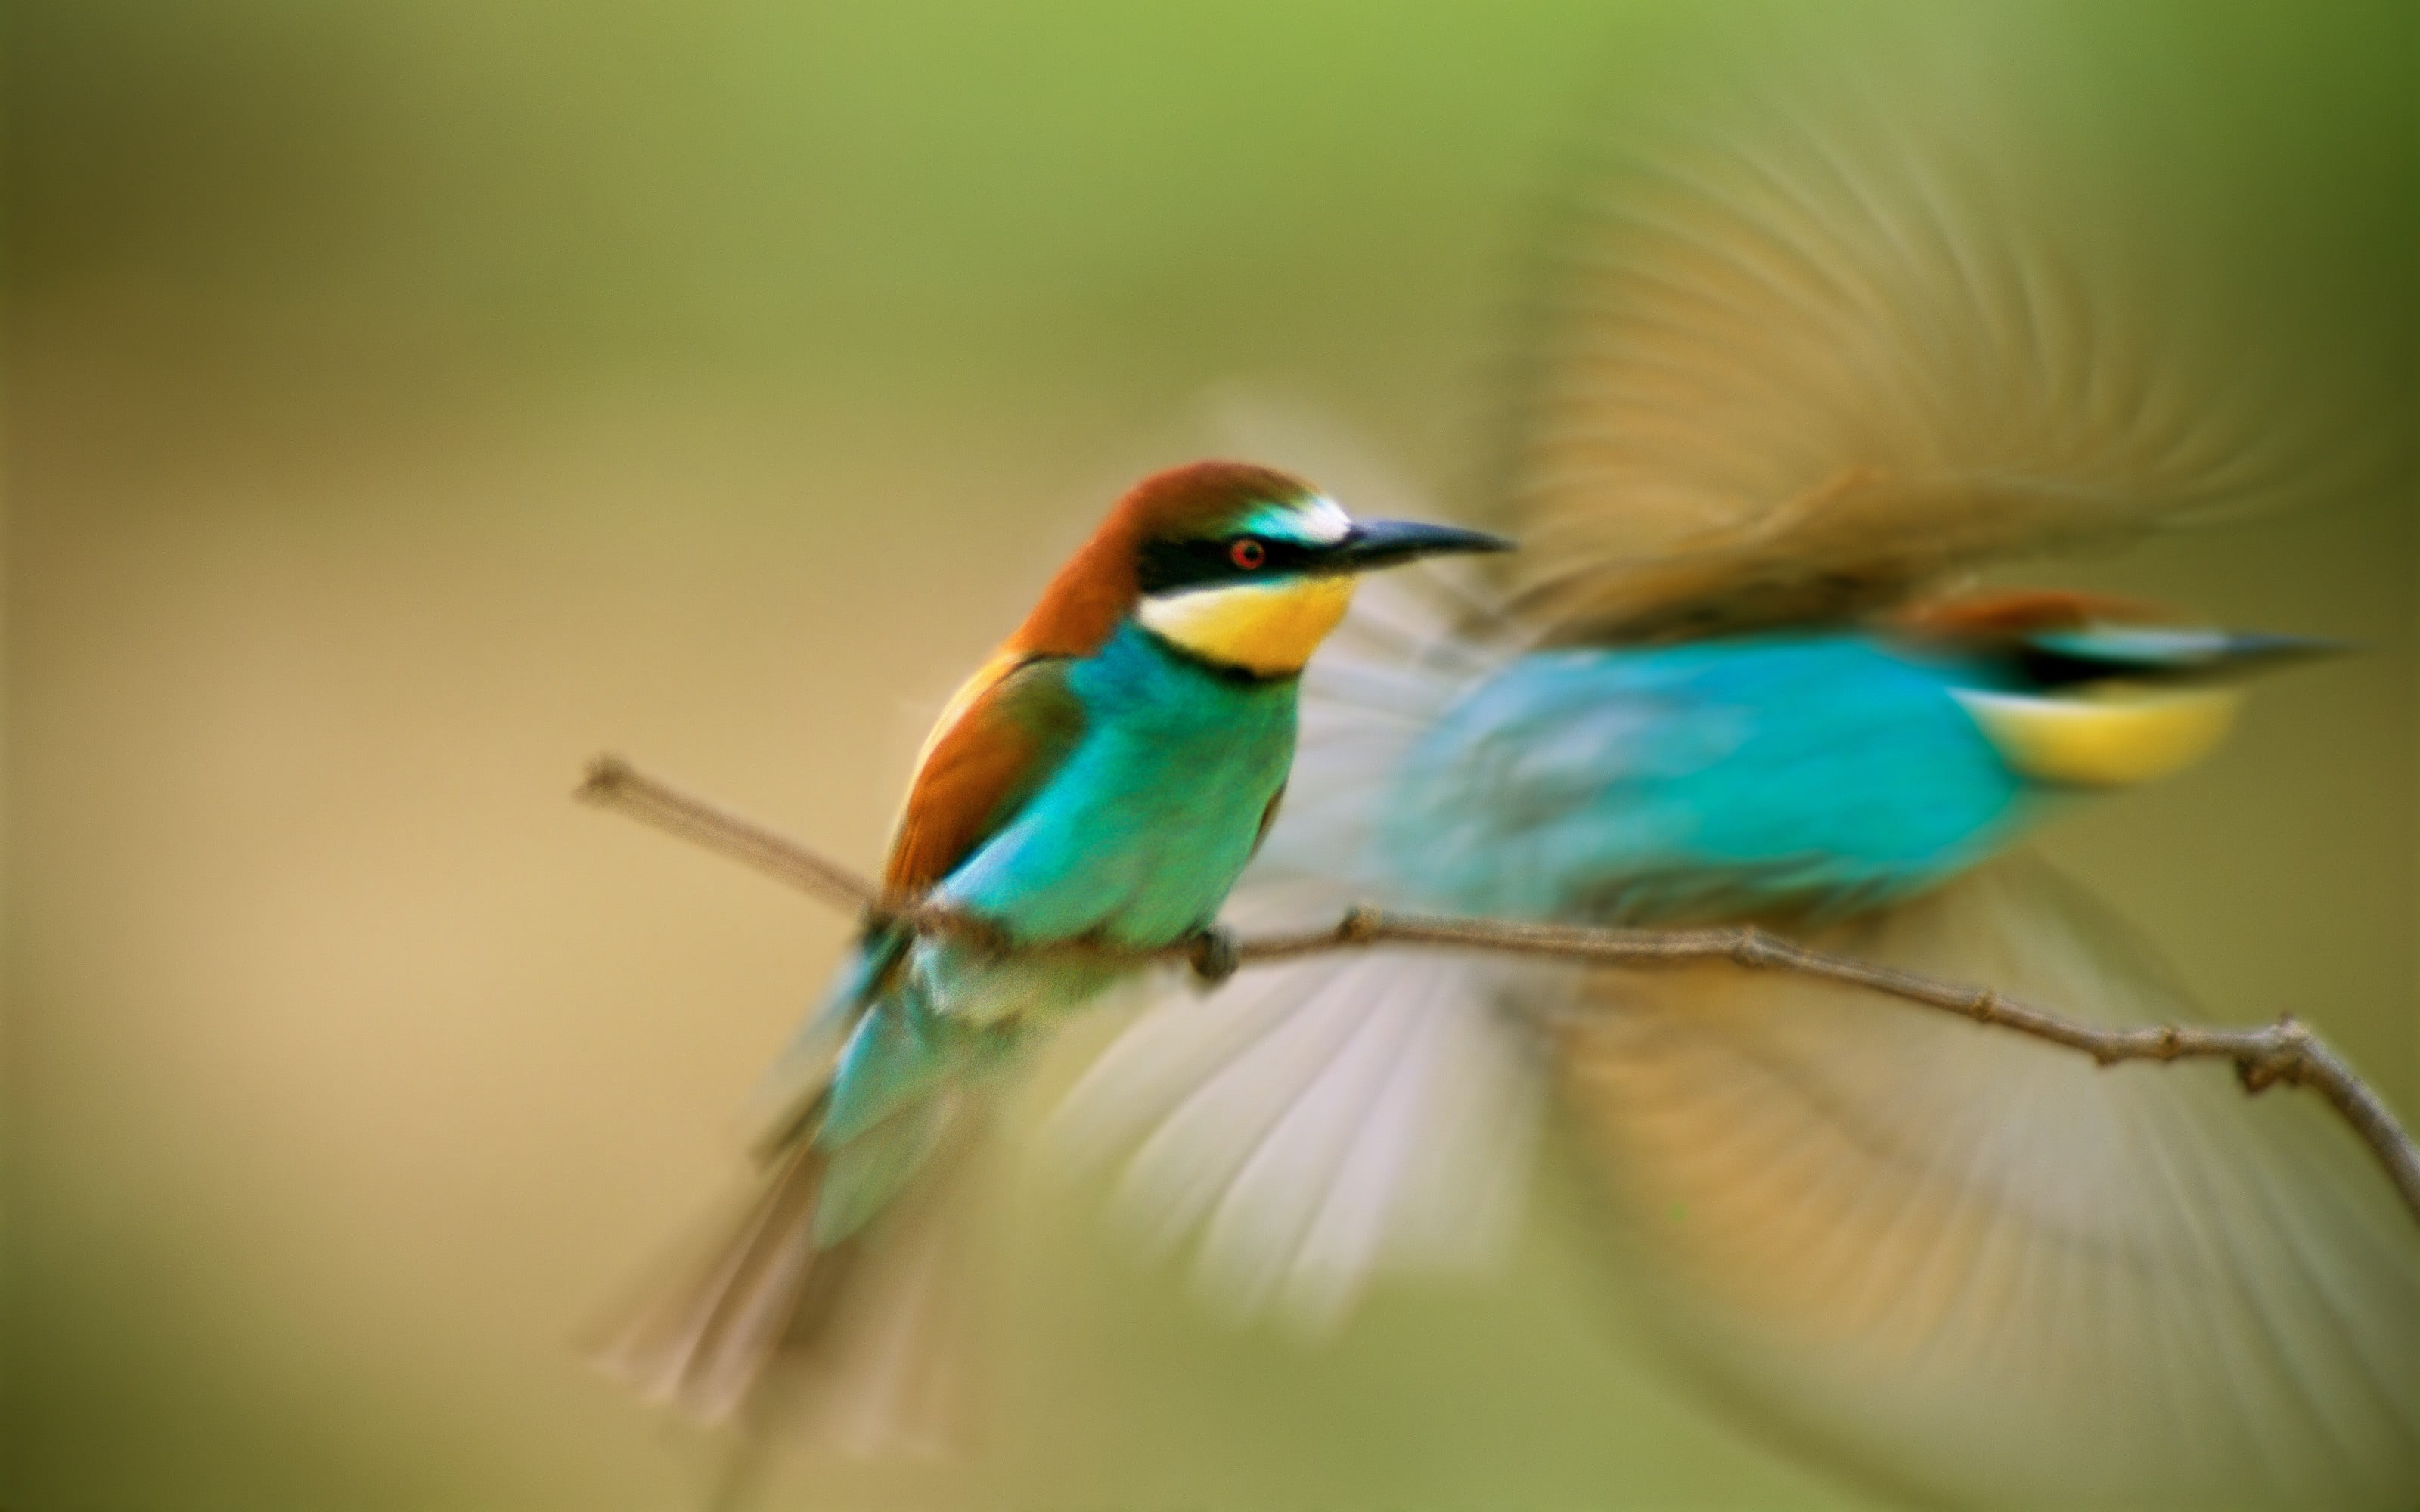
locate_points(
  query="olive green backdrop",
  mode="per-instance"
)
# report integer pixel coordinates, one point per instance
(408, 400)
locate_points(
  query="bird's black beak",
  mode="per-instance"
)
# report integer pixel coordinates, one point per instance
(1387, 543)
(2255, 651)
(2165, 656)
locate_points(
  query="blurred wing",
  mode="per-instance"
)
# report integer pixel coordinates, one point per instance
(1807, 372)
(1974, 1268)
(1311, 1124)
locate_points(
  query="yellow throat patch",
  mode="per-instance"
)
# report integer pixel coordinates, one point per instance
(1267, 628)
(2114, 736)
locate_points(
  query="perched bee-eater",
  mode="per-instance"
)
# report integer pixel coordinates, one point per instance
(1102, 779)
(1787, 397)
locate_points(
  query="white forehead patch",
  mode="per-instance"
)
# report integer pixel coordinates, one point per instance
(1313, 521)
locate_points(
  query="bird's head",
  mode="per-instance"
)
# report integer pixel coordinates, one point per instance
(2090, 691)
(1241, 566)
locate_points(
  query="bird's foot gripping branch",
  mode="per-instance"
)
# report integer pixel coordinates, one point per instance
(2284, 1052)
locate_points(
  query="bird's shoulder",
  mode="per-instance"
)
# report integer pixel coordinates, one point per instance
(1006, 730)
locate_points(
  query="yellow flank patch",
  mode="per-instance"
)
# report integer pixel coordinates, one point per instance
(1270, 628)
(2114, 736)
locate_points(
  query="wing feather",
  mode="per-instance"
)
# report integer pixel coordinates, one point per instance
(1818, 366)
(1965, 1263)
(1002, 736)
(1315, 1125)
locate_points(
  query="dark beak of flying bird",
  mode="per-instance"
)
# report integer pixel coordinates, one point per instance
(2167, 656)
(1384, 542)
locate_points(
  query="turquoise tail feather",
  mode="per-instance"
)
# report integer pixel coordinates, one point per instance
(899, 1051)
(895, 1081)
(804, 1273)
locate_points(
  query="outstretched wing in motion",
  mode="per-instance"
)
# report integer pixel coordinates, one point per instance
(1807, 370)
(1970, 1266)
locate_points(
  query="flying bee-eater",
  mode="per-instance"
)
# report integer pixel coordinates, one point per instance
(1789, 393)
(1102, 779)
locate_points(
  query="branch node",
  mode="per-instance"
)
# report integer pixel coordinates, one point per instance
(2285, 1055)
(1360, 925)
(1751, 947)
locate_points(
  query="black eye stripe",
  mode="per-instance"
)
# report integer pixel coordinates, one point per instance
(1166, 566)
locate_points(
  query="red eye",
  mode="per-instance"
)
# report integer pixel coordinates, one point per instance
(1247, 554)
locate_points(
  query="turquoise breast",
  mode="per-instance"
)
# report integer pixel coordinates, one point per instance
(1141, 832)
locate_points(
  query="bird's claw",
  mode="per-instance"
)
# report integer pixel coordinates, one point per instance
(1211, 953)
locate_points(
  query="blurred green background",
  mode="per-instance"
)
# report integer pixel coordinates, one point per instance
(408, 400)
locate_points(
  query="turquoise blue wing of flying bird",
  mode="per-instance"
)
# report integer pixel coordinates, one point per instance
(1789, 392)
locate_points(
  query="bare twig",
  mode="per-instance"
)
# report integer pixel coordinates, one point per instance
(614, 783)
(2284, 1052)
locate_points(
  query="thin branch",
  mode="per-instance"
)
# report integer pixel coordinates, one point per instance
(2284, 1052)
